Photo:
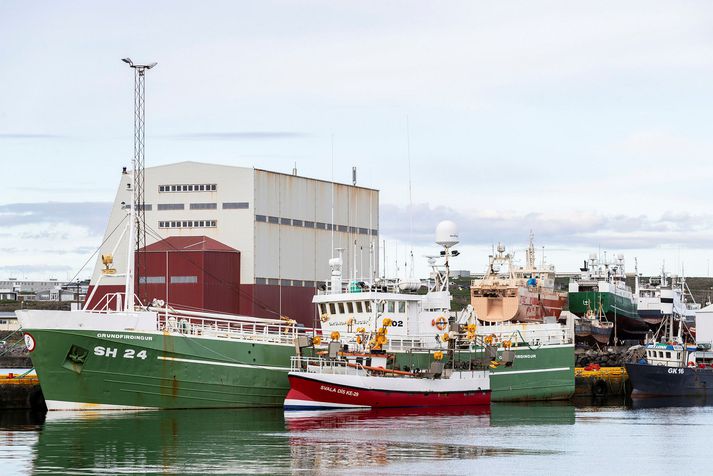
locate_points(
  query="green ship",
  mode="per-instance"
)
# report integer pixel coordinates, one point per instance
(602, 291)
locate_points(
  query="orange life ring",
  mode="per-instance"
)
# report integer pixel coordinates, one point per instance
(441, 323)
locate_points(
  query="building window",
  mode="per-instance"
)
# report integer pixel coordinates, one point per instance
(296, 222)
(184, 279)
(188, 224)
(343, 228)
(353, 229)
(309, 224)
(273, 220)
(363, 231)
(285, 221)
(285, 282)
(194, 187)
(261, 218)
(235, 205)
(204, 206)
(171, 206)
(152, 279)
(273, 282)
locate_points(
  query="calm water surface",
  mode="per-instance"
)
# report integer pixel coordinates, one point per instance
(653, 436)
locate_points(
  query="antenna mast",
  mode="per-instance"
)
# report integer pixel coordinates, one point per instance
(410, 199)
(137, 228)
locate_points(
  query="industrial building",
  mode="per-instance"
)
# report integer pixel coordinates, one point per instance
(278, 230)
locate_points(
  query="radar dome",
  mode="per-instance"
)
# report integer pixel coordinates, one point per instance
(447, 234)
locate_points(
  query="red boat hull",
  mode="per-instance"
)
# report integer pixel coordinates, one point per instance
(535, 306)
(309, 394)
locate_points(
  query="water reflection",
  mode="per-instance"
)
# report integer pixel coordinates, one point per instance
(665, 402)
(532, 413)
(264, 441)
(192, 441)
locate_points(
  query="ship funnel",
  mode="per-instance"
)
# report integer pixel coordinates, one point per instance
(447, 234)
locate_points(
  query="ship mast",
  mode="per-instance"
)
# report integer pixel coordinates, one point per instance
(137, 225)
(531, 253)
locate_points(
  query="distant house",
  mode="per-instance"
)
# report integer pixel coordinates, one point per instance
(8, 295)
(460, 273)
(8, 321)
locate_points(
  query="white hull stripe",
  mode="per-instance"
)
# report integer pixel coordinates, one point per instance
(511, 372)
(222, 364)
(291, 402)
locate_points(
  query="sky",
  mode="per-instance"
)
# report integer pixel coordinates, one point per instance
(586, 122)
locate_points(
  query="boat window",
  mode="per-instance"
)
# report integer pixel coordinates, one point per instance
(668, 355)
(322, 308)
(359, 308)
(350, 308)
(402, 307)
(678, 355)
(367, 306)
(341, 308)
(390, 306)
(332, 309)
(661, 354)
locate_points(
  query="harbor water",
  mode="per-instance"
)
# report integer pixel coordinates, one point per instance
(651, 436)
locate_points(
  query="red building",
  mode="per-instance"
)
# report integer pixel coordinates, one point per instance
(191, 272)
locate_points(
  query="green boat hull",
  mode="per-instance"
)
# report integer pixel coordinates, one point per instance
(617, 309)
(543, 373)
(162, 370)
(175, 372)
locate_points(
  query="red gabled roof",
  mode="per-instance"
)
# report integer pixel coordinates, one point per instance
(188, 243)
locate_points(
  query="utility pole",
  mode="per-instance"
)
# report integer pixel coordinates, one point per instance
(138, 166)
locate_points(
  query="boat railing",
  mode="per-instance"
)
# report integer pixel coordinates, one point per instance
(277, 333)
(414, 343)
(503, 336)
(352, 286)
(108, 303)
(325, 366)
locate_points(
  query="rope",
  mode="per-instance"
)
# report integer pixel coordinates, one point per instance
(97, 250)
(8, 349)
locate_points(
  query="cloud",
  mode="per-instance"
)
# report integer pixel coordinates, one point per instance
(571, 229)
(8, 135)
(18, 271)
(89, 215)
(229, 136)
